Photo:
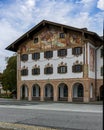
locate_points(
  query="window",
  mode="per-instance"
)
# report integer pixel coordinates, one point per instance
(101, 52)
(80, 91)
(36, 56)
(62, 69)
(48, 54)
(24, 72)
(46, 92)
(77, 50)
(62, 35)
(36, 71)
(36, 40)
(34, 91)
(62, 52)
(24, 57)
(102, 71)
(77, 68)
(48, 70)
(65, 91)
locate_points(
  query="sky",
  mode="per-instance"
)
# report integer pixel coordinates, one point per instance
(19, 16)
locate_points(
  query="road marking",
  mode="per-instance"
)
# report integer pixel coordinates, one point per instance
(60, 108)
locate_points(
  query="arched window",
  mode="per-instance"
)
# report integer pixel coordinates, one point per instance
(24, 92)
(36, 90)
(78, 92)
(63, 91)
(48, 92)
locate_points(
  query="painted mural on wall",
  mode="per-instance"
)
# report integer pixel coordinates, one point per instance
(50, 39)
(92, 59)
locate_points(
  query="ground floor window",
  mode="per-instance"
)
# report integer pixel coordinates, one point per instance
(24, 92)
(48, 91)
(101, 92)
(78, 91)
(63, 91)
(36, 90)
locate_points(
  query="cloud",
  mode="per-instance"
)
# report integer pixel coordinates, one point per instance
(7, 33)
(17, 17)
(100, 4)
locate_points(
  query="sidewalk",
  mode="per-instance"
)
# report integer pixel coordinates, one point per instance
(12, 126)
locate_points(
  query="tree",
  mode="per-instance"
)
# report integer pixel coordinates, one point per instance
(9, 77)
(0, 77)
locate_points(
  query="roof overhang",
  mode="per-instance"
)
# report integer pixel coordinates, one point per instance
(14, 46)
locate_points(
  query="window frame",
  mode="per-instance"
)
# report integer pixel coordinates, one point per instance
(62, 53)
(48, 70)
(48, 54)
(36, 71)
(62, 35)
(76, 70)
(77, 50)
(24, 72)
(36, 56)
(60, 69)
(36, 40)
(24, 57)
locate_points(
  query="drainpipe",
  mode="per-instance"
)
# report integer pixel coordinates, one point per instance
(96, 70)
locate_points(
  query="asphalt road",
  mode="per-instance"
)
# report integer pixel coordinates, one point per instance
(55, 115)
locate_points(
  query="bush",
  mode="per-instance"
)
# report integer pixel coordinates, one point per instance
(4, 95)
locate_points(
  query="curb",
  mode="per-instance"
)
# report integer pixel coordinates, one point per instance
(14, 126)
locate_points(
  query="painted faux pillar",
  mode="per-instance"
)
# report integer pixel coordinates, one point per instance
(85, 61)
(18, 76)
(86, 91)
(55, 93)
(18, 92)
(69, 93)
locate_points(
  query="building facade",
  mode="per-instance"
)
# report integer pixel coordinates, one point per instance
(59, 63)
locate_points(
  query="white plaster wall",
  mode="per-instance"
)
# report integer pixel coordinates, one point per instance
(91, 73)
(99, 64)
(69, 59)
